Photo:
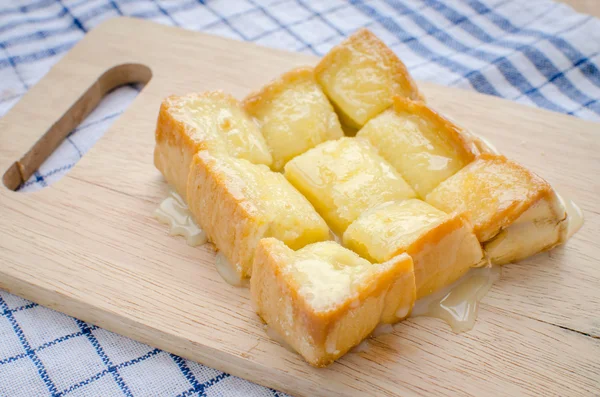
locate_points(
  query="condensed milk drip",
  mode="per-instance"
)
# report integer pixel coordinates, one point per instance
(487, 145)
(228, 272)
(274, 335)
(483, 144)
(458, 303)
(574, 216)
(361, 347)
(173, 211)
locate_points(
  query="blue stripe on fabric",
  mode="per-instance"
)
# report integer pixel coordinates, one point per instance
(104, 357)
(13, 358)
(268, 32)
(45, 346)
(146, 356)
(35, 56)
(223, 20)
(36, 5)
(188, 392)
(578, 65)
(504, 66)
(37, 35)
(320, 16)
(92, 123)
(94, 12)
(214, 381)
(185, 370)
(79, 22)
(54, 171)
(282, 26)
(204, 386)
(593, 105)
(82, 383)
(165, 13)
(535, 56)
(116, 7)
(32, 21)
(476, 79)
(11, 62)
(328, 39)
(240, 14)
(79, 153)
(28, 350)
(106, 371)
(76, 20)
(151, 14)
(574, 55)
(20, 308)
(40, 179)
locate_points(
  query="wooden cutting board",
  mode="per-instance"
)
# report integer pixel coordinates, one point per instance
(88, 245)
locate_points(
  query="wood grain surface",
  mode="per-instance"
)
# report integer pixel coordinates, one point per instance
(88, 245)
(591, 7)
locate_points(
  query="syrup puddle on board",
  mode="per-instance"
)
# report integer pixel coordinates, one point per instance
(174, 212)
(458, 303)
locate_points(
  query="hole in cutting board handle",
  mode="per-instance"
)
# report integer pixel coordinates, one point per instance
(117, 76)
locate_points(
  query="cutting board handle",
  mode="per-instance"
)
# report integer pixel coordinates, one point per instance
(116, 76)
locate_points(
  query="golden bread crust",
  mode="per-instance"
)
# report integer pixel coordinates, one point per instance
(275, 87)
(453, 238)
(541, 227)
(237, 203)
(443, 247)
(217, 209)
(421, 145)
(343, 178)
(465, 148)
(378, 57)
(294, 115)
(398, 70)
(192, 123)
(493, 191)
(323, 298)
(323, 335)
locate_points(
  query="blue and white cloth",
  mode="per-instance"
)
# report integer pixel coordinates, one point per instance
(535, 52)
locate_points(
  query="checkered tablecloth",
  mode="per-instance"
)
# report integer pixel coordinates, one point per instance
(535, 52)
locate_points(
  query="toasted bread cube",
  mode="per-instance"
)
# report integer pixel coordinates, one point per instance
(344, 178)
(425, 148)
(211, 121)
(514, 212)
(324, 299)
(294, 115)
(237, 203)
(361, 75)
(443, 247)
